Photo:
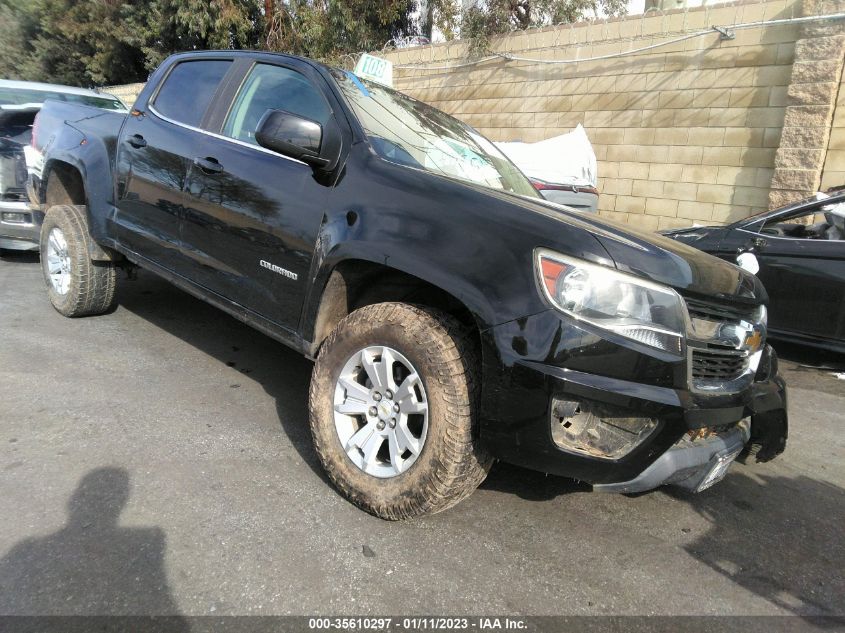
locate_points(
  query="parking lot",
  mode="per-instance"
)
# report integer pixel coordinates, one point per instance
(158, 460)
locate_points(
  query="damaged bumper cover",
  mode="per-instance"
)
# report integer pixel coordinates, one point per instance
(693, 464)
(582, 406)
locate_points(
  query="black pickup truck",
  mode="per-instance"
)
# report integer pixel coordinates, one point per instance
(455, 317)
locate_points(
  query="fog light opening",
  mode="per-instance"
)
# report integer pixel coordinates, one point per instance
(13, 217)
(597, 429)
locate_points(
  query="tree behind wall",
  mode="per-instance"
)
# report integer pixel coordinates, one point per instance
(78, 43)
(327, 30)
(483, 19)
(96, 42)
(170, 26)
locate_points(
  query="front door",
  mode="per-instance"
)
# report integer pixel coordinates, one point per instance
(254, 215)
(802, 266)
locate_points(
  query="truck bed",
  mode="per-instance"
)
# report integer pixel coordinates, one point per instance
(89, 122)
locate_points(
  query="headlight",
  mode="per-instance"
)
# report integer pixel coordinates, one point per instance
(629, 306)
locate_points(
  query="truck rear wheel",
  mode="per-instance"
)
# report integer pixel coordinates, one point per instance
(393, 410)
(76, 285)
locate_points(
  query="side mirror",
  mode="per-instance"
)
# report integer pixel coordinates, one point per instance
(748, 261)
(300, 138)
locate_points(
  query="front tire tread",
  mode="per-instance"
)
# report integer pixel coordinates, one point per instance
(461, 464)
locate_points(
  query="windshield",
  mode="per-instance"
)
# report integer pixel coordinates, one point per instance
(412, 133)
(15, 97)
(834, 194)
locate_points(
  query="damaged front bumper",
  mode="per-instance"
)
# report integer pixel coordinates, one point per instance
(692, 463)
(563, 401)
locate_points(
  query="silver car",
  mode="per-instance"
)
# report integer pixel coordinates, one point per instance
(562, 168)
(576, 193)
(20, 101)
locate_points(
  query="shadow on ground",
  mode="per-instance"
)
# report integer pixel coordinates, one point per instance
(92, 565)
(811, 369)
(809, 357)
(21, 257)
(779, 537)
(530, 484)
(283, 373)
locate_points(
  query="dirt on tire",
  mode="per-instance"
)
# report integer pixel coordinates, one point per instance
(92, 283)
(452, 463)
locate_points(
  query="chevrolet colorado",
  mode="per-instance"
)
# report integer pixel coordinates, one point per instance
(455, 317)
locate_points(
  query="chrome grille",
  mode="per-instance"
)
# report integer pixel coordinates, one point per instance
(15, 194)
(719, 350)
(710, 364)
(719, 312)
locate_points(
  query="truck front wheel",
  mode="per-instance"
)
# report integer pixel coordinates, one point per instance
(76, 285)
(393, 410)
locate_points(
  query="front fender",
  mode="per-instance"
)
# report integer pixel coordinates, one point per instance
(469, 241)
(340, 242)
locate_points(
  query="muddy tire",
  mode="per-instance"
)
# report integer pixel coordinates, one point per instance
(422, 365)
(76, 285)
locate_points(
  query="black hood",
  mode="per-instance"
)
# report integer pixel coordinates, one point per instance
(661, 259)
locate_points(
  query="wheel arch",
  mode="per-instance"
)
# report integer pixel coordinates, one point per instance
(354, 283)
(64, 183)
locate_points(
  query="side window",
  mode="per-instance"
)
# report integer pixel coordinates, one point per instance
(188, 89)
(826, 222)
(273, 88)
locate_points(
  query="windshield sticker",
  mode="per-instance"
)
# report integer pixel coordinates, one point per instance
(357, 82)
(455, 158)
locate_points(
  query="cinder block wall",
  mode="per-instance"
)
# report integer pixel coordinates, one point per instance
(685, 133)
(833, 172)
(126, 93)
(811, 107)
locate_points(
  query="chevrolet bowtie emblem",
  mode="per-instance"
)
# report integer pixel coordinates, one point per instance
(753, 341)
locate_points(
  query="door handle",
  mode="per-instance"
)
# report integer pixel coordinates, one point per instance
(759, 242)
(208, 165)
(137, 141)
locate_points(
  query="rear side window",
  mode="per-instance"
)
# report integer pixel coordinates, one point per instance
(188, 89)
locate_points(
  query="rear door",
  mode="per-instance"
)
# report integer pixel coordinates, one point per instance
(253, 215)
(156, 147)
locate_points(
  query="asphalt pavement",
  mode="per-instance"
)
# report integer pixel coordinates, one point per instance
(157, 460)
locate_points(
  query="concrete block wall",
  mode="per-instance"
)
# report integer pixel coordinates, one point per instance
(686, 133)
(833, 168)
(126, 92)
(833, 172)
(812, 115)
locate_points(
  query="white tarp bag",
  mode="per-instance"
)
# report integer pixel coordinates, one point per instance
(568, 158)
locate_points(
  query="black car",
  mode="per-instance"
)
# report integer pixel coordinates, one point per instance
(800, 251)
(453, 314)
